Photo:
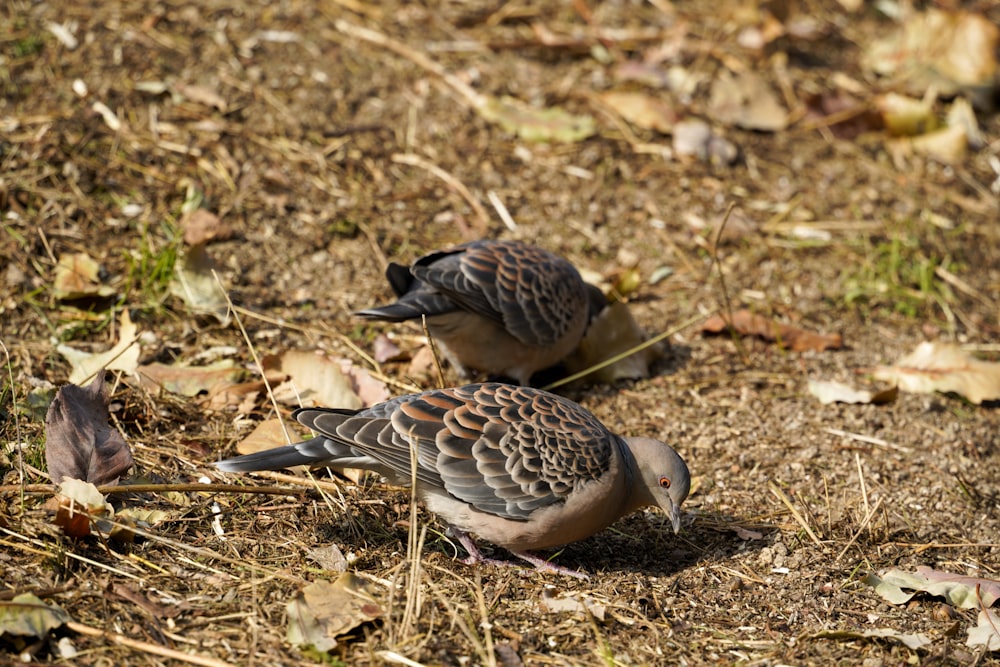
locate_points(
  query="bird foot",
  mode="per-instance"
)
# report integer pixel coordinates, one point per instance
(476, 556)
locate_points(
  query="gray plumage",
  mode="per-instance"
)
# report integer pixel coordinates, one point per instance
(500, 307)
(520, 467)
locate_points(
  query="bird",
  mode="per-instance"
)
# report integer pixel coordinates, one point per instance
(519, 467)
(504, 308)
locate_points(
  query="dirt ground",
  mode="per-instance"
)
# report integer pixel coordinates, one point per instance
(290, 124)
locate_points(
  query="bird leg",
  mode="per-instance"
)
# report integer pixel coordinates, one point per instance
(476, 556)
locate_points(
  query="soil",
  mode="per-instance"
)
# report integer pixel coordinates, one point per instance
(289, 124)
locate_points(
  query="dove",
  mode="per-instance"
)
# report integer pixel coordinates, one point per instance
(503, 308)
(519, 467)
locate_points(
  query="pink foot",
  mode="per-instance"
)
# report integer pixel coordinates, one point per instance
(476, 556)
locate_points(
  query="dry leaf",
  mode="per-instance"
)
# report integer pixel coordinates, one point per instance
(533, 124)
(793, 338)
(79, 277)
(422, 366)
(944, 367)
(746, 101)
(194, 283)
(201, 226)
(572, 604)
(27, 616)
(957, 589)
(385, 349)
(613, 331)
(122, 357)
(79, 442)
(322, 611)
(947, 49)
(987, 632)
(829, 391)
(313, 380)
(329, 557)
(189, 380)
(642, 110)
(201, 95)
(370, 390)
(77, 504)
(267, 435)
(911, 641)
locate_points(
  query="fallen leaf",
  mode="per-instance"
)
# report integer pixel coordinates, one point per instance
(195, 284)
(912, 641)
(189, 380)
(572, 604)
(533, 124)
(201, 226)
(329, 557)
(422, 366)
(385, 349)
(79, 277)
(27, 616)
(611, 332)
(79, 442)
(124, 356)
(746, 101)
(987, 632)
(905, 116)
(77, 504)
(313, 380)
(947, 49)
(829, 391)
(644, 111)
(958, 590)
(268, 434)
(370, 390)
(944, 367)
(793, 338)
(322, 611)
(201, 95)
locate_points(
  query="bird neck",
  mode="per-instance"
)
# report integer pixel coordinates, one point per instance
(636, 495)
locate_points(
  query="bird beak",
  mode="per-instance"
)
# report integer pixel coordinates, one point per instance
(675, 517)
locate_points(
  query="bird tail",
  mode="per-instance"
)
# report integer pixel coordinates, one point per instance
(308, 453)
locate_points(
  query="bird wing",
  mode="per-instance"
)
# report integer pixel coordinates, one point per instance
(503, 449)
(534, 294)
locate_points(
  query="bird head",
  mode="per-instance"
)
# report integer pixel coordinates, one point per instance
(665, 477)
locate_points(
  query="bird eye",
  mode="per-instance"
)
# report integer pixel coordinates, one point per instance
(665, 482)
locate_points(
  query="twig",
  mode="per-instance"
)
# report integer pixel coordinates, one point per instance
(146, 647)
(501, 210)
(780, 495)
(17, 422)
(160, 488)
(465, 92)
(869, 439)
(434, 351)
(861, 528)
(725, 292)
(415, 160)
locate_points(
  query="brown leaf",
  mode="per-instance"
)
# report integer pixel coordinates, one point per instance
(313, 380)
(188, 380)
(945, 368)
(78, 277)
(77, 504)
(201, 226)
(746, 101)
(322, 611)
(267, 435)
(642, 110)
(79, 442)
(786, 335)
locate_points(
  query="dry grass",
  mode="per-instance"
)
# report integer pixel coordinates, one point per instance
(329, 155)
